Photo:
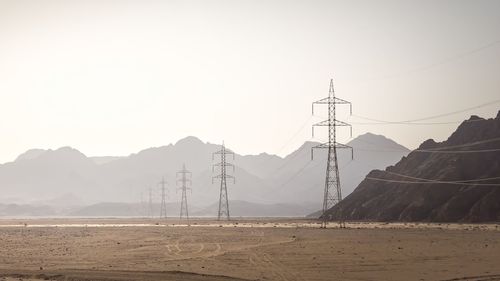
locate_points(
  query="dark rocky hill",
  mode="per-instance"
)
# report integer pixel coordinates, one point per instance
(458, 180)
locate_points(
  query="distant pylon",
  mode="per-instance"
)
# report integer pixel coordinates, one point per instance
(163, 205)
(144, 211)
(223, 176)
(150, 205)
(333, 192)
(184, 180)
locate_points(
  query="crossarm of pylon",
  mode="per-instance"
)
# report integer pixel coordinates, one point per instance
(334, 123)
(181, 181)
(227, 177)
(322, 101)
(231, 177)
(220, 176)
(328, 145)
(184, 172)
(226, 152)
(162, 183)
(220, 165)
(341, 146)
(335, 100)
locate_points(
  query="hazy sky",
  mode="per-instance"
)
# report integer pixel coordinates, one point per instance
(115, 77)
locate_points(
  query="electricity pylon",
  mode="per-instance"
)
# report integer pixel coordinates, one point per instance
(184, 180)
(223, 176)
(144, 210)
(163, 206)
(150, 205)
(333, 192)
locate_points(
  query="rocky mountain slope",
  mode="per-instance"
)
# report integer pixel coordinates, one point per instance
(458, 180)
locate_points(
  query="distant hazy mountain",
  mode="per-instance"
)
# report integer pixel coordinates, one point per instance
(111, 209)
(238, 209)
(99, 160)
(65, 200)
(457, 159)
(30, 154)
(43, 176)
(26, 210)
(48, 174)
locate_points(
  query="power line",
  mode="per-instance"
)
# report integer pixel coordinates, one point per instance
(423, 180)
(407, 122)
(432, 182)
(468, 144)
(412, 121)
(433, 151)
(298, 173)
(312, 168)
(458, 151)
(381, 150)
(295, 134)
(442, 148)
(445, 60)
(440, 181)
(419, 123)
(401, 123)
(288, 161)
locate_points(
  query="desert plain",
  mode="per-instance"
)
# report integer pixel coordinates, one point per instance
(245, 249)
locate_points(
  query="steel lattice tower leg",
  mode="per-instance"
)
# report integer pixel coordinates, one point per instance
(163, 205)
(223, 201)
(184, 180)
(223, 176)
(333, 192)
(184, 206)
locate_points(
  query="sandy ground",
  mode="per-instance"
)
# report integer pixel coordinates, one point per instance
(135, 249)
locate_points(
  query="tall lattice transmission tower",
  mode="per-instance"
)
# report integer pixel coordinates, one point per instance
(223, 176)
(332, 192)
(163, 205)
(184, 178)
(150, 203)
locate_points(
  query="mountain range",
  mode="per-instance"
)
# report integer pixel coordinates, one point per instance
(457, 180)
(66, 178)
